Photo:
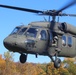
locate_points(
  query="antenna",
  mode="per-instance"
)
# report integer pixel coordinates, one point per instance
(45, 19)
(58, 19)
(49, 18)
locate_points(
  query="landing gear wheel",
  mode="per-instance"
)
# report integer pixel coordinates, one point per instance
(57, 63)
(23, 58)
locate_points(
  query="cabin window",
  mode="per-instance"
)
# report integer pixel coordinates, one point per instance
(69, 41)
(43, 35)
(64, 40)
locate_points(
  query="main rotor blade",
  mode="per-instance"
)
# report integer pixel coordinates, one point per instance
(21, 9)
(67, 6)
(73, 15)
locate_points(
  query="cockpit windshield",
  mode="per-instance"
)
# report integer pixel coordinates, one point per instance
(22, 31)
(15, 30)
(32, 32)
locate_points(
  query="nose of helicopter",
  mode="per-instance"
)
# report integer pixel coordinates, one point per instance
(14, 44)
(8, 42)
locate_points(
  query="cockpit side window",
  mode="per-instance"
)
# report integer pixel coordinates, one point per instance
(22, 31)
(43, 35)
(15, 30)
(32, 32)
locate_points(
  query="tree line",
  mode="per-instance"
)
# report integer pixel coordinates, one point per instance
(9, 67)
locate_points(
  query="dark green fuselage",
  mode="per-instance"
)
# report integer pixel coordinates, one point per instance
(38, 38)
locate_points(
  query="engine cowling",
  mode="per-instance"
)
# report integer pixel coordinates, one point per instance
(67, 28)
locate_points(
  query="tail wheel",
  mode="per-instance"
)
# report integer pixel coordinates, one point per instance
(57, 63)
(23, 58)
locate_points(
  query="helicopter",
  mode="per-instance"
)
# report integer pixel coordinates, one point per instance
(47, 38)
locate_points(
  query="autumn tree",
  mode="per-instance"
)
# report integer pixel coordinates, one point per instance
(10, 66)
(21, 68)
(51, 70)
(8, 56)
(43, 67)
(2, 65)
(72, 69)
(72, 66)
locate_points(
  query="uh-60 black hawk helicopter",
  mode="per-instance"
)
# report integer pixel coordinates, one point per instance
(49, 38)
